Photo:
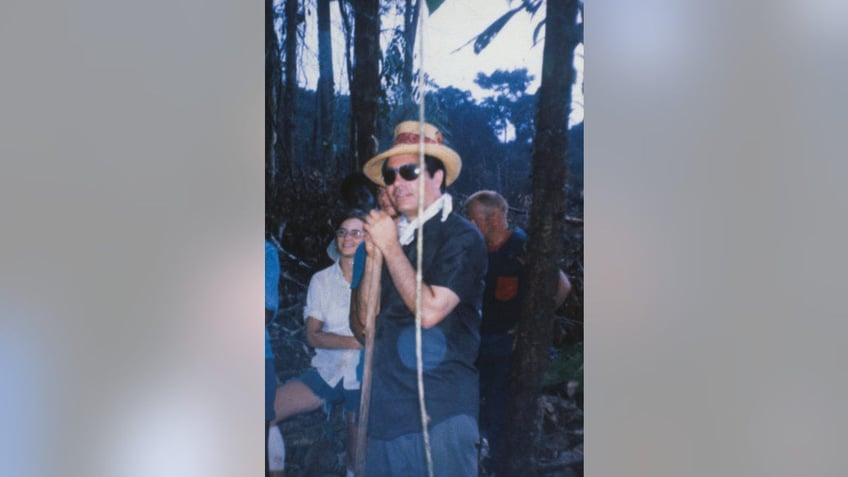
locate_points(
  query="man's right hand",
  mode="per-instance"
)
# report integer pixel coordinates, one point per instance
(381, 232)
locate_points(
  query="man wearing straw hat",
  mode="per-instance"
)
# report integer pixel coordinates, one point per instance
(453, 271)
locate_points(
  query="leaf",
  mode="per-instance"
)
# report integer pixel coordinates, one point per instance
(566, 366)
(432, 5)
(532, 6)
(537, 30)
(483, 39)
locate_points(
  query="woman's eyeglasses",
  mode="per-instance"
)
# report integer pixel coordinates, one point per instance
(355, 233)
(409, 172)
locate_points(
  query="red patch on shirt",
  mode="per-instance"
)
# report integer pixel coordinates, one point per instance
(506, 288)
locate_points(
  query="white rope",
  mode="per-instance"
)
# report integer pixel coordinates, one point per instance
(420, 245)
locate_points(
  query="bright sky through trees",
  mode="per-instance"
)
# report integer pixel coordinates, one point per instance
(451, 26)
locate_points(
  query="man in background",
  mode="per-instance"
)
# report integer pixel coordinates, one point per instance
(502, 300)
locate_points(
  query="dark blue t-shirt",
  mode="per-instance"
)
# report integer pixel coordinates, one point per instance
(504, 285)
(454, 258)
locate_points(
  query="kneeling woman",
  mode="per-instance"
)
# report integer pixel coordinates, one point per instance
(332, 378)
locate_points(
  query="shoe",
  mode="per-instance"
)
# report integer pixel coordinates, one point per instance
(276, 450)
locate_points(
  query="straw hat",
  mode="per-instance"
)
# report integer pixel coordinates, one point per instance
(407, 141)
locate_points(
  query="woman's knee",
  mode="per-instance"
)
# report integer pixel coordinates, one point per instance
(294, 398)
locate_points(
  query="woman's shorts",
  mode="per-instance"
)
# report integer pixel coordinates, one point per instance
(331, 395)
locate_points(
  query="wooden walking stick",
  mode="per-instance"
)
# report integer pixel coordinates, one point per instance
(371, 296)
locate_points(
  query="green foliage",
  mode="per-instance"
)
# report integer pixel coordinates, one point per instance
(392, 70)
(510, 83)
(566, 366)
(432, 5)
(536, 32)
(523, 116)
(483, 39)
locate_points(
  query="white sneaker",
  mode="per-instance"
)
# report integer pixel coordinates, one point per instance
(276, 450)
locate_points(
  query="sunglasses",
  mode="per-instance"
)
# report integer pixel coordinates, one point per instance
(409, 172)
(355, 233)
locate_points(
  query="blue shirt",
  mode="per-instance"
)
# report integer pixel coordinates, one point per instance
(272, 282)
(454, 258)
(358, 265)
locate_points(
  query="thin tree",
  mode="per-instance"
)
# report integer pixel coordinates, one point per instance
(288, 106)
(273, 85)
(325, 89)
(347, 32)
(365, 87)
(399, 57)
(412, 8)
(544, 248)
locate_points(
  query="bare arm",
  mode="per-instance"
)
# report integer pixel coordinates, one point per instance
(320, 339)
(563, 289)
(436, 301)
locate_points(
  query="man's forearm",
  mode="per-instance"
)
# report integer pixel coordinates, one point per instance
(332, 341)
(435, 304)
(563, 289)
(403, 275)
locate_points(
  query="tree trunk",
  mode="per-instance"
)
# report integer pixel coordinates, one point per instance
(325, 89)
(288, 112)
(365, 88)
(410, 28)
(273, 83)
(545, 232)
(347, 29)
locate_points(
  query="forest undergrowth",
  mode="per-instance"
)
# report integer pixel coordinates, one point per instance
(300, 220)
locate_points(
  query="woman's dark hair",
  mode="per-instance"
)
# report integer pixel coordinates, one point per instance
(351, 214)
(357, 192)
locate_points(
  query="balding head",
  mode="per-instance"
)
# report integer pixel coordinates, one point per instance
(489, 200)
(487, 210)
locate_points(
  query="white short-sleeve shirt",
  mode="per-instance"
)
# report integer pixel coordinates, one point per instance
(328, 300)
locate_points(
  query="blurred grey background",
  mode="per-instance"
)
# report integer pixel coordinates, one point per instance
(131, 202)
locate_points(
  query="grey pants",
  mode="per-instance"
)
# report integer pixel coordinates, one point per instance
(453, 447)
